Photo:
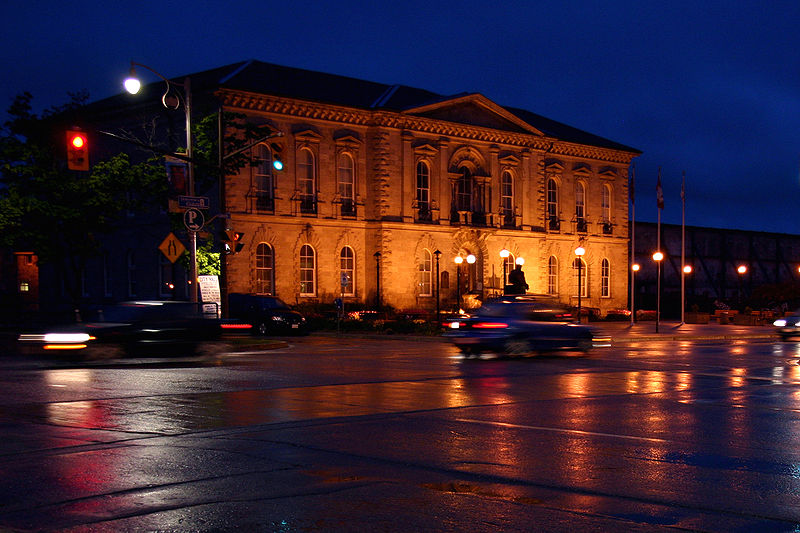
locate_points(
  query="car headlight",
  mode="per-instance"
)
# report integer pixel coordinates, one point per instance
(67, 337)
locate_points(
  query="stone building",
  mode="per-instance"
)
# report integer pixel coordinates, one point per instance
(379, 178)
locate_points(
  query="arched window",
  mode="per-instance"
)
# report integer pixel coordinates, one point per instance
(508, 265)
(308, 271)
(425, 268)
(347, 185)
(265, 269)
(552, 204)
(347, 271)
(605, 279)
(579, 265)
(552, 275)
(306, 181)
(507, 199)
(423, 191)
(263, 188)
(580, 206)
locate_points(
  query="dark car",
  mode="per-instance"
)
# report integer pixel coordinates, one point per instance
(788, 326)
(518, 327)
(143, 328)
(268, 315)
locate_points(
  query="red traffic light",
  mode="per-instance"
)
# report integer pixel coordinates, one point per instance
(77, 150)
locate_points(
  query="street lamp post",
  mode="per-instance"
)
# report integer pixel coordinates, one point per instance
(504, 256)
(634, 269)
(132, 85)
(658, 257)
(436, 254)
(377, 256)
(579, 251)
(458, 260)
(687, 269)
(742, 270)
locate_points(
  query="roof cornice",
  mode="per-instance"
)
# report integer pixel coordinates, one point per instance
(364, 117)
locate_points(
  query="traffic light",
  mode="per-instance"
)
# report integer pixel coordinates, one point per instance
(77, 150)
(232, 241)
(277, 160)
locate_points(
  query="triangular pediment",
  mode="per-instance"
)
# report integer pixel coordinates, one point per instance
(474, 110)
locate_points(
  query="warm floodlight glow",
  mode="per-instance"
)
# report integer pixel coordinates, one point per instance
(687, 269)
(580, 250)
(471, 259)
(520, 261)
(658, 256)
(742, 269)
(458, 259)
(504, 253)
(635, 267)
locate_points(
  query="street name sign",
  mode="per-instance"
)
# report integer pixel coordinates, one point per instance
(197, 202)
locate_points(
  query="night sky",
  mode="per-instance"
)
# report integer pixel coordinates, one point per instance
(709, 88)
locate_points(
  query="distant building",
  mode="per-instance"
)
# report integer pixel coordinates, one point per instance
(379, 178)
(768, 280)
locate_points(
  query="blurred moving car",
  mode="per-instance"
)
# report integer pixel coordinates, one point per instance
(268, 314)
(142, 328)
(788, 326)
(519, 327)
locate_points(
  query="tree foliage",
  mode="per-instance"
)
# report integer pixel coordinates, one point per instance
(56, 212)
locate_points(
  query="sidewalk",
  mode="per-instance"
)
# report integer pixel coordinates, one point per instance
(625, 333)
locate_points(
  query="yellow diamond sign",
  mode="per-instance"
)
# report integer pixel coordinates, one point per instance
(172, 247)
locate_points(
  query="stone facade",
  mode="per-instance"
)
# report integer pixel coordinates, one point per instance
(463, 176)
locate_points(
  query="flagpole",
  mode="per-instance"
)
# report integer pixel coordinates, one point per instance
(631, 193)
(683, 248)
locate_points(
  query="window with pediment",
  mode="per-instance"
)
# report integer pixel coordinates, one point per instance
(580, 206)
(553, 222)
(307, 181)
(263, 184)
(347, 184)
(308, 271)
(347, 270)
(425, 274)
(423, 196)
(507, 199)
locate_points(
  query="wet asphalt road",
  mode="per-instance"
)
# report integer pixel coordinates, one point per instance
(390, 435)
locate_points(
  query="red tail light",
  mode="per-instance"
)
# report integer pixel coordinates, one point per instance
(489, 325)
(236, 326)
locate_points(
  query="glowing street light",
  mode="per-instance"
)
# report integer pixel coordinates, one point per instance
(458, 260)
(634, 269)
(687, 269)
(742, 270)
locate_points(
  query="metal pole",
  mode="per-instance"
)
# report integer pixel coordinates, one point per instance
(437, 253)
(192, 234)
(580, 265)
(658, 297)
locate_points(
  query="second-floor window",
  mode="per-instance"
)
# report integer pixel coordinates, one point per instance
(306, 181)
(464, 191)
(423, 191)
(507, 199)
(263, 188)
(552, 204)
(347, 185)
(580, 206)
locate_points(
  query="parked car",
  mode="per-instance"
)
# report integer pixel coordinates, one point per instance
(268, 314)
(141, 328)
(788, 326)
(519, 327)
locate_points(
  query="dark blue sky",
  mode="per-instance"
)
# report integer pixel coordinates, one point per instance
(709, 88)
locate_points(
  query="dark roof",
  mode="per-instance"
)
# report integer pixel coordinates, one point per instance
(268, 78)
